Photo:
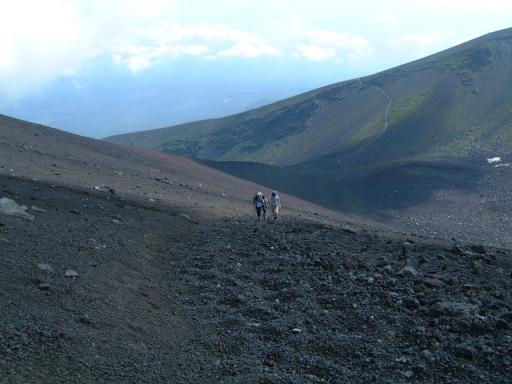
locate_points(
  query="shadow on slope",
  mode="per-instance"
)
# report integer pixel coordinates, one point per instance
(364, 190)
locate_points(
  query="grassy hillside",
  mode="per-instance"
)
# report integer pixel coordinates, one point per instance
(383, 141)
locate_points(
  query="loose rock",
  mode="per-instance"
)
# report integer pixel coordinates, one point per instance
(45, 267)
(10, 207)
(71, 273)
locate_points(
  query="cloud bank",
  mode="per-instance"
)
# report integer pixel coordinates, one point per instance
(205, 40)
(41, 41)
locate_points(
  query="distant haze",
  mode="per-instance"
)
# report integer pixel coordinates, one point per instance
(99, 68)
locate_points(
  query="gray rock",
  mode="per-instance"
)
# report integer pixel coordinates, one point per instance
(454, 309)
(408, 271)
(420, 369)
(408, 374)
(457, 250)
(44, 287)
(411, 302)
(45, 267)
(10, 207)
(465, 351)
(433, 283)
(86, 320)
(349, 230)
(507, 316)
(71, 273)
(473, 255)
(478, 248)
(501, 324)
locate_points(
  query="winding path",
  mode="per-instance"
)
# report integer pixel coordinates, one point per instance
(388, 108)
(386, 125)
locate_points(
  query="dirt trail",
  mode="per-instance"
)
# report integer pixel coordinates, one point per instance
(376, 136)
(388, 108)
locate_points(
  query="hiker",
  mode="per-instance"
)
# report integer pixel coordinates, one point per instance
(275, 204)
(265, 207)
(259, 203)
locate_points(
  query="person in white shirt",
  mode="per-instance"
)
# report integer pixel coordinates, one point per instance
(275, 204)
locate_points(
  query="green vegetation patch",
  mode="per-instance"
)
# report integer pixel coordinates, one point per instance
(465, 77)
(255, 133)
(473, 59)
(455, 63)
(249, 147)
(181, 147)
(409, 106)
(370, 129)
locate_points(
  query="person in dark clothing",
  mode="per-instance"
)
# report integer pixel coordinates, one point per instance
(260, 204)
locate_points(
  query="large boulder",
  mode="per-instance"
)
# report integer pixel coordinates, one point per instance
(10, 207)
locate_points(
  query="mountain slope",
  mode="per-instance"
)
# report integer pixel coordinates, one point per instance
(382, 145)
(123, 272)
(455, 100)
(35, 152)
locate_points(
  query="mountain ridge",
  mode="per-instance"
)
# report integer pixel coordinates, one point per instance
(188, 138)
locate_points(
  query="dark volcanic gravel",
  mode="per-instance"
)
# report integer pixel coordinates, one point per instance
(114, 323)
(165, 296)
(304, 302)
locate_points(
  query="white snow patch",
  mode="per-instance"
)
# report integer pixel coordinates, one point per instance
(502, 165)
(494, 160)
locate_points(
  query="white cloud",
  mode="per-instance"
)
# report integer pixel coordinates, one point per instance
(39, 41)
(150, 7)
(140, 57)
(316, 52)
(424, 43)
(245, 49)
(43, 40)
(137, 63)
(176, 40)
(424, 39)
(389, 21)
(327, 44)
(488, 6)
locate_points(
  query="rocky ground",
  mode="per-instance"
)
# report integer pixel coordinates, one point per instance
(119, 266)
(102, 289)
(483, 215)
(305, 302)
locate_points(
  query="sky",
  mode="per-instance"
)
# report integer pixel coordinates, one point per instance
(224, 54)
